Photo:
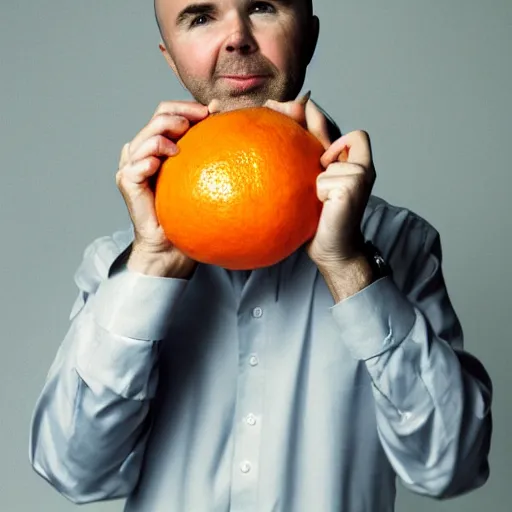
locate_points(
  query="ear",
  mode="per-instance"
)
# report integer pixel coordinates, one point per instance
(312, 40)
(167, 56)
(170, 61)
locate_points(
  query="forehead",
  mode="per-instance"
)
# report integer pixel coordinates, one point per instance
(170, 13)
(178, 5)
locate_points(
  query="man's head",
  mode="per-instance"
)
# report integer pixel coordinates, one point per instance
(240, 52)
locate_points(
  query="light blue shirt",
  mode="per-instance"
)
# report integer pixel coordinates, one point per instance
(224, 395)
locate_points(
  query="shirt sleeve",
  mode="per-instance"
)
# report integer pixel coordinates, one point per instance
(91, 421)
(432, 398)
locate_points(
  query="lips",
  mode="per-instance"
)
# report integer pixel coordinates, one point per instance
(242, 76)
(244, 82)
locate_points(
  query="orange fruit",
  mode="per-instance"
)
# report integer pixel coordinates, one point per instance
(241, 191)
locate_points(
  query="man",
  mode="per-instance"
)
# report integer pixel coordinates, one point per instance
(307, 386)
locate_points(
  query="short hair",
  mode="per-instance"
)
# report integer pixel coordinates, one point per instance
(309, 7)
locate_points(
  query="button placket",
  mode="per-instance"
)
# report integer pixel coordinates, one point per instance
(252, 336)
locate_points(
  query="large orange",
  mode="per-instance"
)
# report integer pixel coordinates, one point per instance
(241, 192)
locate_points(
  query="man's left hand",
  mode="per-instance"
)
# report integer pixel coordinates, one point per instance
(344, 187)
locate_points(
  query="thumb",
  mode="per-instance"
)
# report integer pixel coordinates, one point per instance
(317, 124)
(294, 109)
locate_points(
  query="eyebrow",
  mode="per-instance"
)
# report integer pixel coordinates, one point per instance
(194, 10)
(199, 9)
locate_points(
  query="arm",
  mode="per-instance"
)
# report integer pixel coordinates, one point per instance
(432, 399)
(92, 419)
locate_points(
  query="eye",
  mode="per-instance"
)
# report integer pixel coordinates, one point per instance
(199, 20)
(263, 8)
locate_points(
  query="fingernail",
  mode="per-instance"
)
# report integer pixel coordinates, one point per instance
(305, 98)
(214, 106)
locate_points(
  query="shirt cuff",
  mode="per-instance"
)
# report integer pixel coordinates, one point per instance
(136, 305)
(375, 319)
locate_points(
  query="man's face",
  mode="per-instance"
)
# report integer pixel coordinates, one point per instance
(240, 52)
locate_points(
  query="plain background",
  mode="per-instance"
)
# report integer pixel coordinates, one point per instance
(429, 81)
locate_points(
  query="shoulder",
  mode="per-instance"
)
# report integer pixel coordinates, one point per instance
(385, 224)
(405, 238)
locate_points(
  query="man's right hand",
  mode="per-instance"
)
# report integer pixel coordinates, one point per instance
(152, 253)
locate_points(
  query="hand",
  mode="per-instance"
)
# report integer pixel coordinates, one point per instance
(140, 160)
(344, 187)
(307, 114)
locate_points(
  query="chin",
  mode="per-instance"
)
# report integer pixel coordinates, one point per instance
(235, 105)
(246, 101)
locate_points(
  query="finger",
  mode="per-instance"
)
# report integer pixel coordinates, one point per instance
(340, 169)
(291, 109)
(317, 124)
(137, 173)
(156, 146)
(134, 183)
(339, 172)
(125, 152)
(169, 125)
(330, 186)
(304, 99)
(214, 106)
(353, 147)
(192, 110)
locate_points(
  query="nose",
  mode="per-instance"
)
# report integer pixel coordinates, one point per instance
(240, 38)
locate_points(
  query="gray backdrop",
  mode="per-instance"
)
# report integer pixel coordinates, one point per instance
(430, 82)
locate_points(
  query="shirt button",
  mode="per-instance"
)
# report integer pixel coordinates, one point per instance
(245, 467)
(253, 361)
(405, 415)
(251, 419)
(257, 312)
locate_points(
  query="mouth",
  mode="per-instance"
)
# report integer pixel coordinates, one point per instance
(244, 83)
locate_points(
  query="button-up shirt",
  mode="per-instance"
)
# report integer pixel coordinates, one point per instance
(256, 392)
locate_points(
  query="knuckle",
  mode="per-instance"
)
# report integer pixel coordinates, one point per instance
(161, 107)
(363, 135)
(179, 120)
(321, 177)
(357, 169)
(166, 121)
(119, 177)
(160, 122)
(145, 165)
(157, 144)
(124, 154)
(150, 164)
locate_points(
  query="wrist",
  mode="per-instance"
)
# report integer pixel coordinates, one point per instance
(347, 277)
(175, 266)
